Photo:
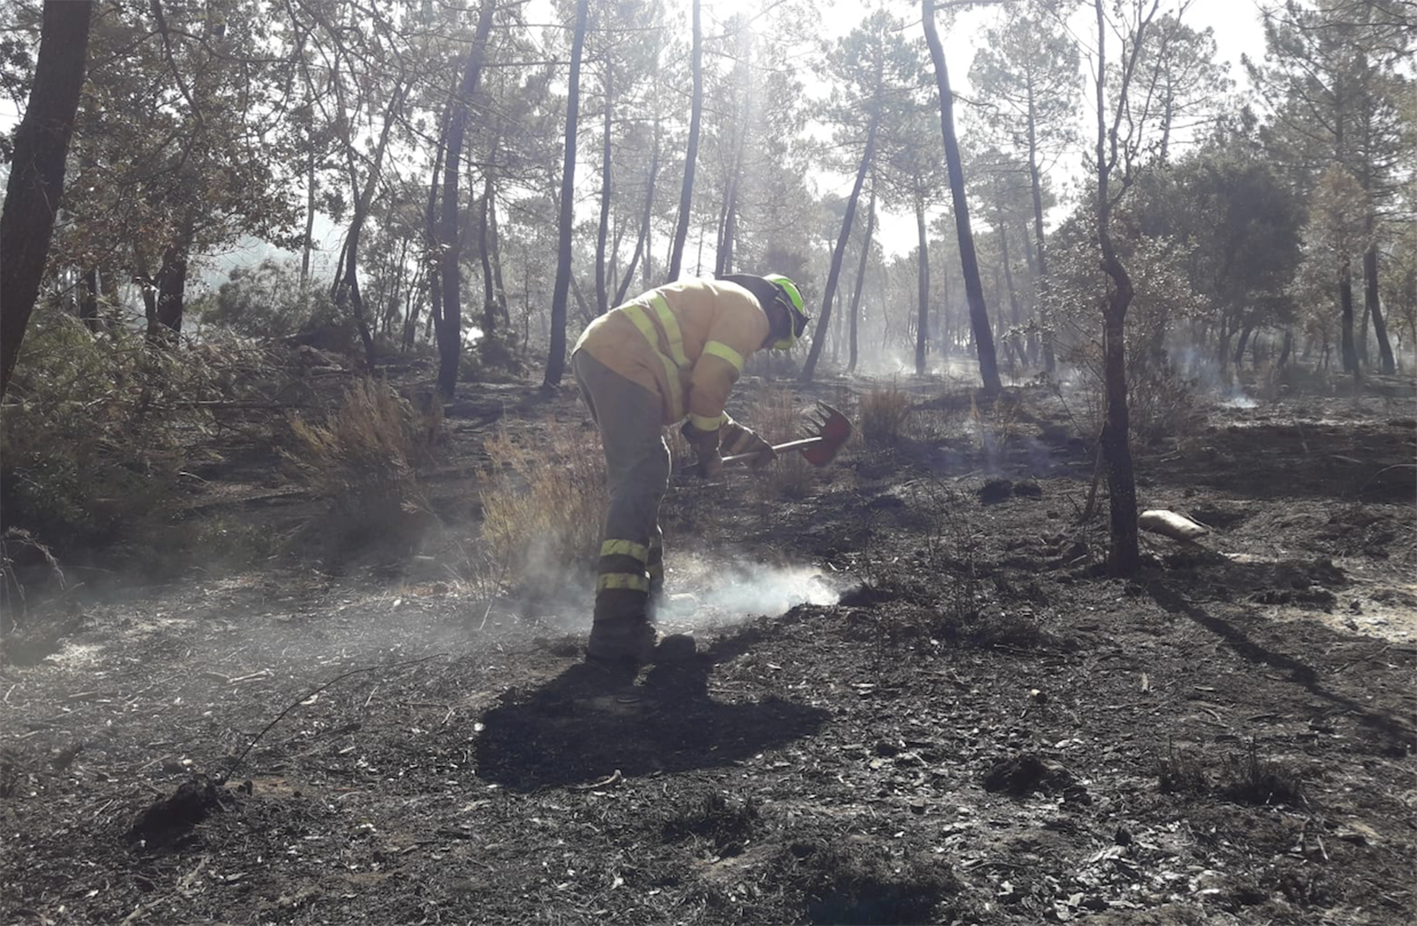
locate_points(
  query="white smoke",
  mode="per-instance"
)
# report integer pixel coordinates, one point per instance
(702, 593)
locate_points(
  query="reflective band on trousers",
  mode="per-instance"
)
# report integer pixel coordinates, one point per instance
(675, 362)
(625, 548)
(635, 582)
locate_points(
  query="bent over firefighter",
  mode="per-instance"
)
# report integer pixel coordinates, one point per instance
(668, 355)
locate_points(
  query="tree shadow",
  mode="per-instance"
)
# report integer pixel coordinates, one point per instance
(587, 723)
(1399, 733)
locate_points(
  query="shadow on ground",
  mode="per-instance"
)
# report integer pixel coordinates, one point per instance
(1396, 732)
(587, 724)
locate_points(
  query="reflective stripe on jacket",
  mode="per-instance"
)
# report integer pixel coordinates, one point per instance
(686, 342)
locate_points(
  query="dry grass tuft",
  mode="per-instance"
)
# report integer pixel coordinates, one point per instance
(883, 412)
(545, 501)
(362, 460)
(1181, 771)
(16, 545)
(999, 424)
(726, 823)
(1254, 779)
(777, 417)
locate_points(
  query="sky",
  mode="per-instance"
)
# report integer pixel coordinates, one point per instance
(1237, 27)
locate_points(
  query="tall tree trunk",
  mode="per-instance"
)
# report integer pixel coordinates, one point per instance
(1031, 340)
(836, 329)
(1360, 338)
(1040, 246)
(601, 295)
(945, 338)
(108, 287)
(642, 242)
(490, 292)
(494, 244)
(1014, 308)
(718, 238)
(1240, 346)
(730, 214)
(819, 341)
(88, 302)
(430, 236)
(348, 284)
(922, 279)
(448, 328)
(166, 325)
(1287, 349)
(686, 195)
(969, 262)
(861, 278)
(1124, 558)
(36, 180)
(1374, 306)
(556, 359)
(730, 200)
(307, 243)
(1345, 325)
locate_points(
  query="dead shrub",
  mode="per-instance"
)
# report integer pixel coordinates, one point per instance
(545, 501)
(362, 462)
(862, 881)
(1181, 771)
(997, 425)
(883, 412)
(1253, 779)
(1246, 779)
(725, 823)
(1161, 402)
(20, 552)
(1160, 397)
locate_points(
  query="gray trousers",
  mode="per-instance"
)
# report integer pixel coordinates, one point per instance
(631, 564)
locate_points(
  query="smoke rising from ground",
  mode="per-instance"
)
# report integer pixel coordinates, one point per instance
(702, 592)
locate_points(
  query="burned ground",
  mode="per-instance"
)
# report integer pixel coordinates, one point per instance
(982, 728)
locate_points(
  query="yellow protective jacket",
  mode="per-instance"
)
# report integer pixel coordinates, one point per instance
(685, 341)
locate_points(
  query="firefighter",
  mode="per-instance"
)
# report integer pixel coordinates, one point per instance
(669, 354)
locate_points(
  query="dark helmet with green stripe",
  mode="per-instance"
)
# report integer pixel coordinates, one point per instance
(790, 299)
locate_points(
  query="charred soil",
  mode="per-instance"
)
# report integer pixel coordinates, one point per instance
(979, 727)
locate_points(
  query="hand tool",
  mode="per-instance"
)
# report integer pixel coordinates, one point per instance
(829, 432)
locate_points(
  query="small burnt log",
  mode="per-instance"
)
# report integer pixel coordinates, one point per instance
(1021, 775)
(170, 818)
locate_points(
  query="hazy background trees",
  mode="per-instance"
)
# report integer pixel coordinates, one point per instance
(397, 178)
(311, 133)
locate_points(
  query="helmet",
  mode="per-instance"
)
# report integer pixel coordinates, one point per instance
(790, 299)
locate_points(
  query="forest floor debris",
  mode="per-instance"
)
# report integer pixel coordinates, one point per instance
(974, 725)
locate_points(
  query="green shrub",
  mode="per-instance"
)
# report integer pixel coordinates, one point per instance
(267, 301)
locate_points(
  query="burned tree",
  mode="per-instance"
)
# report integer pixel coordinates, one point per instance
(37, 170)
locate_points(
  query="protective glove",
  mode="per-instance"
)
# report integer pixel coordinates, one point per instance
(705, 444)
(736, 439)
